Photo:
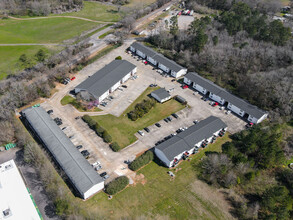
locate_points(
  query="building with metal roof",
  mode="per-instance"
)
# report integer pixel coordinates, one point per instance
(16, 202)
(107, 79)
(85, 180)
(223, 97)
(157, 59)
(188, 141)
(161, 95)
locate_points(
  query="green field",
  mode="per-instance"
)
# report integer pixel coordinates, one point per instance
(97, 11)
(122, 129)
(157, 196)
(51, 30)
(142, 3)
(9, 56)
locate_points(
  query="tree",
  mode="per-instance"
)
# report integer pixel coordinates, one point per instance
(116, 185)
(276, 203)
(25, 62)
(115, 146)
(41, 55)
(106, 136)
(199, 40)
(174, 25)
(118, 58)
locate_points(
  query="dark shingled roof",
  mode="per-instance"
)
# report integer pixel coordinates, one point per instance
(186, 140)
(161, 93)
(157, 56)
(106, 77)
(217, 90)
(76, 167)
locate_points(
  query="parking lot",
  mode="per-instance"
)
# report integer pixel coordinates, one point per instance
(113, 162)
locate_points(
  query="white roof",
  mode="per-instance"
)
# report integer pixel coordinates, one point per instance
(14, 195)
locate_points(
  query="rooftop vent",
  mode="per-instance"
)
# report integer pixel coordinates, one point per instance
(7, 213)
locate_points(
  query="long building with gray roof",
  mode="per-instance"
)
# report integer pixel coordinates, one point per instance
(223, 97)
(81, 174)
(106, 80)
(188, 141)
(157, 59)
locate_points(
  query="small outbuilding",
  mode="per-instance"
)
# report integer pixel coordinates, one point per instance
(161, 95)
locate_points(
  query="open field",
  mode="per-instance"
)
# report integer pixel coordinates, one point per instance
(72, 101)
(97, 11)
(142, 3)
(9, 56)
(52, 30)
(122, 129)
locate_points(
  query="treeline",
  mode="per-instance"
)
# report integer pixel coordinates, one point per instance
(39, 7)
(252, 68)
(254, 157)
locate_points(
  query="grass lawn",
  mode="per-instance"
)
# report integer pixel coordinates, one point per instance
(143, 3)
(9, 56)
(52, 30)
(72, 101)
(97, 11)
(122, 129)
(162, 198)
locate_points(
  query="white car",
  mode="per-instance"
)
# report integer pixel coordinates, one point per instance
(97, 163)
(228, 112)
(141, 133)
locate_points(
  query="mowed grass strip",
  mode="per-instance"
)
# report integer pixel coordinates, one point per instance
(97, 11)
(161, 196)
(122, 129)
(48, 30)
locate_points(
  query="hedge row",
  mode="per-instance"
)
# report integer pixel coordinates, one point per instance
(101, 132)
(141, 160)
(116, 185)
(141, 109)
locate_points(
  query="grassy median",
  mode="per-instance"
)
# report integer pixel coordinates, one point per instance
(122, 129)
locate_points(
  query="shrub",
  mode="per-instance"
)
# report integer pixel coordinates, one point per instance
(118, 58)
(141, 109)
(116, 185)
(107, 137)
(91, 123)
(115, 146)
(86, 118)
(141, 160)
(99, 130)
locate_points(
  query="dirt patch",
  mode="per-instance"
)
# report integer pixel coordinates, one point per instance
(140, 179)
(214, 196)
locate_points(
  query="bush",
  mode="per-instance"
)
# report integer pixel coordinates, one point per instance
(99, 130)
(118, 58)
(116, 185)
(115, 146)
(141, 109)
(107, 137)
(87, 119)
(141, 160)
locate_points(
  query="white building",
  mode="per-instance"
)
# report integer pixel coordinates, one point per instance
(80, 174)
(161, 95)
(157, 59)
(15, 200)
(188, 141)
(107, 80)
(220, 95)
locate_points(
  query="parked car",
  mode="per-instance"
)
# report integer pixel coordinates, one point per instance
(104, 175)
(169, 118)
(124, 86)
(79, 147)
(195, 121)
(222, 108)
(215, 104)
(228, 112)
(85, 153)
(78, 117)
(249, 125)
(185, 86)
(141, 133)
(73, 78)
(206, 99)
(50, 111)
(175, 115)
(71, 136)
(173, 80)
(211, 103)
(158, 125)
(166, 120)
(147, 130)
(63, 128)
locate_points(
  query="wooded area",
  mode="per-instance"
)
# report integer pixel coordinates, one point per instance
(39, 7)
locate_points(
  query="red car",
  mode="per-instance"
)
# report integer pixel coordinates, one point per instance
(215, 104)
(73, 78)
(145, 62)
(185, 86)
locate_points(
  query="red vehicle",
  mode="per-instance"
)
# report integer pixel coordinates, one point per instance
(249, 125)
(215, 104)
(73, 78)
(185, 86)
(179, 13)
(145, 62)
